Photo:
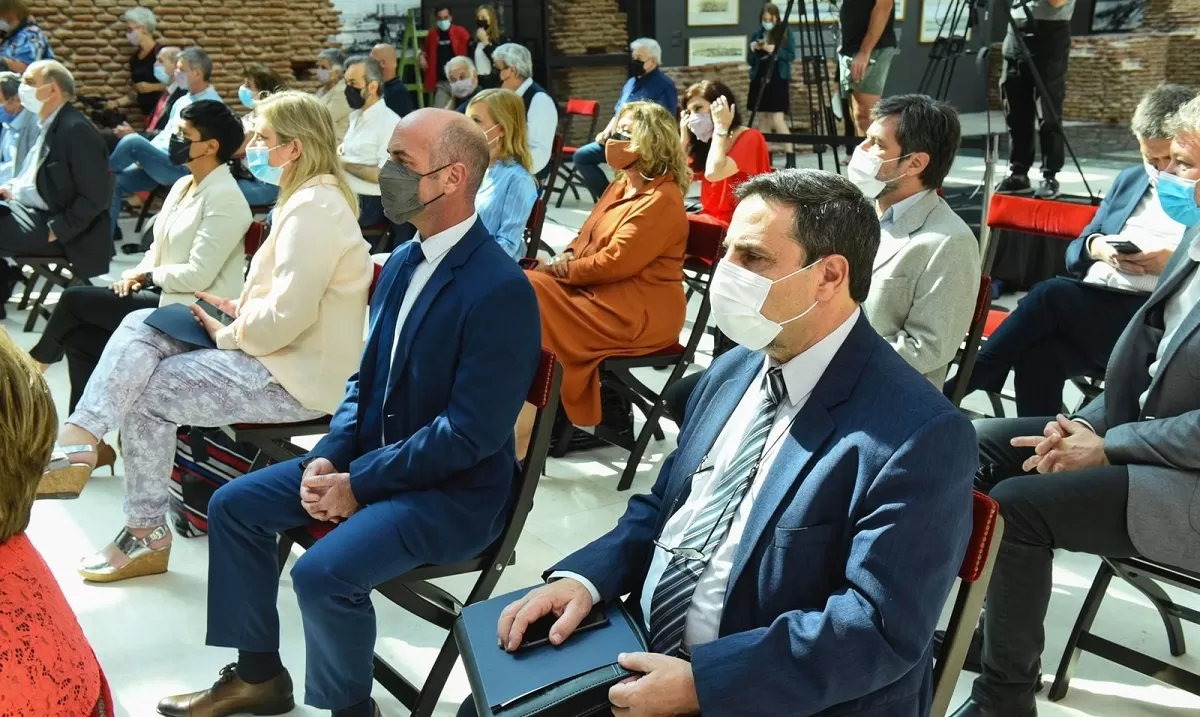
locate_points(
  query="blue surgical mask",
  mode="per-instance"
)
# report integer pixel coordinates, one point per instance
(768, 25)
(443, 25)
(246, 97)
(1177, 196)
(258, 159)
(161, 75)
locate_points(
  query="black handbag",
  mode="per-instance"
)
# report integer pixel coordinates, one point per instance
(584, 695)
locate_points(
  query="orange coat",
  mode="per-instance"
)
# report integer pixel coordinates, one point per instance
(623, 295)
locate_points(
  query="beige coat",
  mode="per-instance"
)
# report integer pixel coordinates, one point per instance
(334, 100)
(198, 240)
(305, 302)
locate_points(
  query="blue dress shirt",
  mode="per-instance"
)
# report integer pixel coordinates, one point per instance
(654, 86)
(504, 201)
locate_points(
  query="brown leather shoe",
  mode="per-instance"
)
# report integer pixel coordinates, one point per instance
(230, 694)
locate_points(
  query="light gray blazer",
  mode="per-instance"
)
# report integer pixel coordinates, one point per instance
(923, 290)
(1160, 443)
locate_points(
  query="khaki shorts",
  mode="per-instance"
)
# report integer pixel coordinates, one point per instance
(872, 83)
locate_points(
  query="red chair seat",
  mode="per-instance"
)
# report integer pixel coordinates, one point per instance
(984, 511)
(569, 150)
(319, 530)
(994, 319)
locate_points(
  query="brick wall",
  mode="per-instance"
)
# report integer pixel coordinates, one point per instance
(89, 37)
(1108, 74)
(588, 27)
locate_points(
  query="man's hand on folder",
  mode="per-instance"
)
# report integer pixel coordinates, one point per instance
(566, 598)
(665, 687)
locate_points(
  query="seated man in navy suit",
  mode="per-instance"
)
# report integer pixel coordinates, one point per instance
(418, 466)
(823, 481)
(1067, 327)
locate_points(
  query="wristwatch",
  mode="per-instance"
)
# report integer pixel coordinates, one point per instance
(721, 133)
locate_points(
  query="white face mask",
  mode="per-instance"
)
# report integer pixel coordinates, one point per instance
(29, 98)
(701, 126)
(738, 296)
(863, 172)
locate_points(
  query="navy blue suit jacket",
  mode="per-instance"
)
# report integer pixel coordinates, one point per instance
(850, 551)
(466, 357)
(1122, 198)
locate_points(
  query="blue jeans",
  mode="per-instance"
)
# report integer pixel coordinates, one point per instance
(139, 167)
(258, 194)
(588, 159)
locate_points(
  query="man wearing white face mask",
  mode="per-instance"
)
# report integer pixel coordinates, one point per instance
(1067, 326)
(816, 512)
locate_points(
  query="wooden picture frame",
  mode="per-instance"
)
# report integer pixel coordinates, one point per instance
(712, 13)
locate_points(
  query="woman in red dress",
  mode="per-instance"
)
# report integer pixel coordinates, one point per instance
(46, 665)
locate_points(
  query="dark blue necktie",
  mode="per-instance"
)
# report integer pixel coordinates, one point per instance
(413, 256)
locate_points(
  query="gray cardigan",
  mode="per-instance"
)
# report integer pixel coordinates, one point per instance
(923, 290)
(1160, 443)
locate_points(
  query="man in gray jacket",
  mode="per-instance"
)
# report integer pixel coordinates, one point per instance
(1121, 477)
(20, 127)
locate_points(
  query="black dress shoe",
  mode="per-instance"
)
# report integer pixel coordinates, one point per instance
(971, 708)
(1015, 184)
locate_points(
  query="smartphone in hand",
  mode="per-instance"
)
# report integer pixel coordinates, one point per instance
(214, 312)
(538, 633)
(1125, 247)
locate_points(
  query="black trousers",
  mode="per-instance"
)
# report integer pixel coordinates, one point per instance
(80, 326)
(1061, 329)
(1083, 511)
(1049, 45)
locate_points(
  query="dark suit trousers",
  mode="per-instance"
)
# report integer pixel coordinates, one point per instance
(1083, 511)
(1050, 48)
(80, 326)
(1061, 329)
(24, 232)
(332, 580)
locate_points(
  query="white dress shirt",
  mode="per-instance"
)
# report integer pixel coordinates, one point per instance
(800, 376)
(435, 248)
(366, 142)
(888, 243)
(542, 119)
(1176, 310)
(1150, 228)
(23, 187)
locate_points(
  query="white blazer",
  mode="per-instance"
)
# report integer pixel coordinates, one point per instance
(199, 240)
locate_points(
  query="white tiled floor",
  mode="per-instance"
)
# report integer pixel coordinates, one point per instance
(149, 632)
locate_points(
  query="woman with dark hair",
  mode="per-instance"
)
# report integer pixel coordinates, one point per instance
(775, 87)
(485, 41)
(197, 247)
(721, 151)
(259, 80)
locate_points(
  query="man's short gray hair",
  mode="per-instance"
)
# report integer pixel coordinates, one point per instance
(464, 144)
(460, 62)
(10, 85)
(54, 71)
(197, 59)
(1152, 117)
(516, 57)
(650, 45)
(336, 58)
(142, 16)
(374, 70)
(1187, 119)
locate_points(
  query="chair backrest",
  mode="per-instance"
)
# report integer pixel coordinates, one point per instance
(987, 530)
(983, 301)
(376, 269)
(587, 108)
(556, 160)
(533, 227)
(255, 235)
(1062, 220)
(543, 394)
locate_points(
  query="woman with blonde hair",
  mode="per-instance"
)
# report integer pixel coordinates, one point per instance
(48, 667)
(509, 191)
(279, 353)
(618, 288)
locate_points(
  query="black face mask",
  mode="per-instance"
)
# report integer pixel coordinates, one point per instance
(636, 68)
(179, 151)
(483, 24)
(355, 98)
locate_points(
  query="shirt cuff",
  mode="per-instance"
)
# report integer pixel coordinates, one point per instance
(1090, 427)
(560, 574)
(227, 338)
(1088, 243)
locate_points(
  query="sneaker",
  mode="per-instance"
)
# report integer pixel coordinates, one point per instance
(1047, 188)
(1014, 184)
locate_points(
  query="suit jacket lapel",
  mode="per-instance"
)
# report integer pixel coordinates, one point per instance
(1191, 321)
(1173, 275)
(909, 222)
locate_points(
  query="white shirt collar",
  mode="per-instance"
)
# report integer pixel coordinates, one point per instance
(438, 245)
(525, 86)
(802, 373)
(897, 210)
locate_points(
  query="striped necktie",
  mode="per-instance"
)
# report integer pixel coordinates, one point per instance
(707, 530)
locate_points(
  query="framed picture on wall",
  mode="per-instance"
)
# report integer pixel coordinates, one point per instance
(899, 11)
(712, 12)
(938, 17)
(716, 50)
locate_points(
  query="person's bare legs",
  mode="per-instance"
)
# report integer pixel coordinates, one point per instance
(72, 435)
(524, 429)
(863, 104)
